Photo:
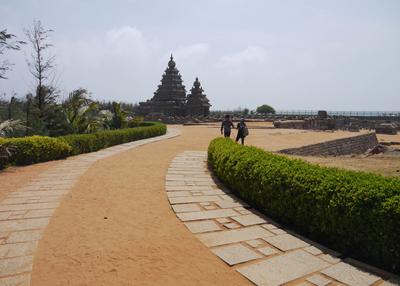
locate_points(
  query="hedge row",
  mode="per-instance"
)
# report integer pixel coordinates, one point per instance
(85, 143)
(355, 213)
(34, 149)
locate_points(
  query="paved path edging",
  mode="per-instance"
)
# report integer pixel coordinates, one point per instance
(25, 212)
(252, 244)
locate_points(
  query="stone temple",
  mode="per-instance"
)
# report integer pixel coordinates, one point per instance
(170, 97)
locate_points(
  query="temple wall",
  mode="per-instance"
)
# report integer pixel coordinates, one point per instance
(345, 146)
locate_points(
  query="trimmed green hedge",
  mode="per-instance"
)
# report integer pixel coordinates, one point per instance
(85, 143)
(34, 149)
(355, 213)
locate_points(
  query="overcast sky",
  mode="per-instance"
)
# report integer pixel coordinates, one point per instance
(291, 54)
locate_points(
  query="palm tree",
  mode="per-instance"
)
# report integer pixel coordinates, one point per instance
(82, 113)
(7, 128)
(119, 120)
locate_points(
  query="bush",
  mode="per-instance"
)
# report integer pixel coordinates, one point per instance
(265, 109)
(85, 143)
(355, 213)
(29, 150)
(34, 149)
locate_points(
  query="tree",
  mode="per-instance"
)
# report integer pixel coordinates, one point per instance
(119, 117)
(10, 107)
(28, 112)
(82, 113)
(7, 43)
(265, 109)
(46, 115)
(41, 65)
(8, 127)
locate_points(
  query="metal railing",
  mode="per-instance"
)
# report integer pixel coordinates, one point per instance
(364, 114)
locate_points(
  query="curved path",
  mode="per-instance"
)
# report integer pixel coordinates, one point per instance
(116, 227)
(26, 212)
(112, 226)
(257, 247)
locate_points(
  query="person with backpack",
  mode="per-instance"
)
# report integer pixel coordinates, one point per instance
(227, 126)
(243, 131)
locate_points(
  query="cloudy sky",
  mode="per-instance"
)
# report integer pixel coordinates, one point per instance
(291, 54)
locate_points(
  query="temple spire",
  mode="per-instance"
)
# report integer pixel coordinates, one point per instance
(197, 102)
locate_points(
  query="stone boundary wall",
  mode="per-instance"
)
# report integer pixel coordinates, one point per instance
(345, 146)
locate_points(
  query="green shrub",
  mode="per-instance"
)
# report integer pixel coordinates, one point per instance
(85, 143)
(34, 149)
(355, 213)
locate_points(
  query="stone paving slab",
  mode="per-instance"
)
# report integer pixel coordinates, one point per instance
(16, 265)
(286, 242)
(186, 208)
(235, 253)
(249, 219)
(19, 280)
(17, 249)
(24, 236)
(26, 211)
(206, 214)
(319, 280)
(283, 268)
(350, 275)
(24, 224)
(28, 206)
(232, 236)
(267, 251)
(202, 226)
(194, 199)
(27, 200)
(257, 247)
(178, 194)
(224, 204)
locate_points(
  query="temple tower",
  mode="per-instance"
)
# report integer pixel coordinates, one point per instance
(170, 96)
(197, 102)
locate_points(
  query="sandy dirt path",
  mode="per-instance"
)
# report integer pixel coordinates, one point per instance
(116, 227)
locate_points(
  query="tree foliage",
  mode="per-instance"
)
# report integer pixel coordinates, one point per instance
(119, 117)
(265, 109)
(8, 127)
(41, 65)
(82, 113)
(7, 42)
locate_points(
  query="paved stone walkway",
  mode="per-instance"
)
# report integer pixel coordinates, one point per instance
(254, 245)
(26, 212)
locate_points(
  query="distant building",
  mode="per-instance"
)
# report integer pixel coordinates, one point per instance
(197, 103)
(170, 97)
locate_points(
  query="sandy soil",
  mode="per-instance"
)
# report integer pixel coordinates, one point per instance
(277, 139)
(383, 165)
(116, 227)
(271, 139)
(141, 242)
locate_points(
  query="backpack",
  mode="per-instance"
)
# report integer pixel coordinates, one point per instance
(245, 131)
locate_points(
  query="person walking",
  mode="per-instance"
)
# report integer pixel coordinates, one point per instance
(243, 131)
(227, 126)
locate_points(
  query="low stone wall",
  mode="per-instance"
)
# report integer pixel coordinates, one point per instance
(345, 146)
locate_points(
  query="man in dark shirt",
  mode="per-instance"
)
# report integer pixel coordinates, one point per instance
(227, 126)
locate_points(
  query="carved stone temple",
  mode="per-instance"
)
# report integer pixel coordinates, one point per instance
(197, 102)
(170, 97)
